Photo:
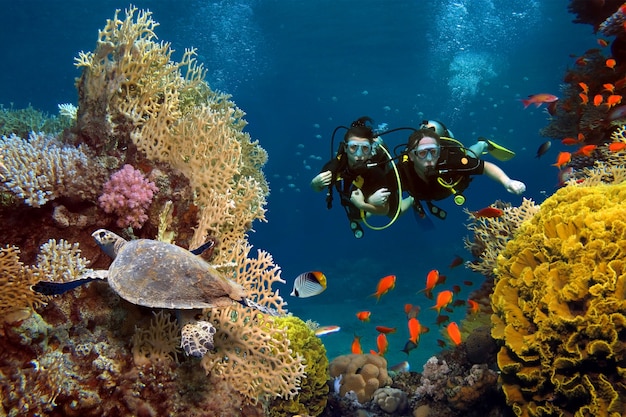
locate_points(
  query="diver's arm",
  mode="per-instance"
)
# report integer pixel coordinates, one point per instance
(359, 202)
(497, 174)
(321, 180)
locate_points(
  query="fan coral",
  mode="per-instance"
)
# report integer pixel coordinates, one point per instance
(128, 194)
(361, 374)
(159, 342)
(560, 308)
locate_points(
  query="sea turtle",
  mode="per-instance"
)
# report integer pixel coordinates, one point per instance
(156, 274)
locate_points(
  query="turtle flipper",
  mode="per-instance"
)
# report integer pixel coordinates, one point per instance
(197, 338)
(56, 288)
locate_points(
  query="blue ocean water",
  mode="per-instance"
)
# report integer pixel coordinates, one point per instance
(300, 68)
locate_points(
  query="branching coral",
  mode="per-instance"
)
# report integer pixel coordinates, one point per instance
(159, 342)
(60, 261)
(559, 306)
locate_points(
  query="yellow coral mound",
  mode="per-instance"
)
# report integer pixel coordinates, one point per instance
(560, 306)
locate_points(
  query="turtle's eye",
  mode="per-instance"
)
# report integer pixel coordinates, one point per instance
(101, 234)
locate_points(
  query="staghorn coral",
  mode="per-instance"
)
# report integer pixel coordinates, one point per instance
(60, 261)
(559, 306)
(360, 374)
(492, 234)
(21, 122)
(41, 168)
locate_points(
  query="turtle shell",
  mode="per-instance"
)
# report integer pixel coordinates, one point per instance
(161, 275)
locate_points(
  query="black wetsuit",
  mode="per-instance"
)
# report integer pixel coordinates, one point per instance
(454, 169)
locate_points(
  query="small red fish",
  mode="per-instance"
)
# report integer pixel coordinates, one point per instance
(443, 299)
(415, 330)
(441, 343)
(608, 87)
(454, 333)
(382, 344)
(456, 262)
(613, 99)
(584, 87)
(411, 311)
(468, 283)
(489, 212)
(562, 159)
(610, 63)
(442, 319)
(586, 150)
(363, 315)
(602, 42)
(385, 329)
(356, 345)
(597, 100)
(569, 141)
(385, 285)
(432, 279)
(584, 98)
(473, 307)
(539, 99)
(617, 146)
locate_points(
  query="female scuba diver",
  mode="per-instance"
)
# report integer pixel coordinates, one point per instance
(359, 174)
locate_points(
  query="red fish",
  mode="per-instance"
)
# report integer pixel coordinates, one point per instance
(385, 329)
(454, 333)
(610, 63)
(608, 87)
(442, 319)
(602, 42)
(443, 299)
(569, 141)
(597, 100)
(456, 262)
(562, 159)
(363, 315)
(613, 99)
(411, 310)
(584, 98)
(356, 345)
(415, 330)
(468, 283)
(489, 212)
(382, 344)
(586, 150)
(385, 285)
(584, 87)
(432, 279)
(473, 306)
(617, 146)
(539, 99)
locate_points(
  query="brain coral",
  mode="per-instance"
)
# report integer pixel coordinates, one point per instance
(560, 309)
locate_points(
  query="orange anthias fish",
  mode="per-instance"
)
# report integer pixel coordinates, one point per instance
(586, 150)
(609, 87)
(569, 141)
(356, 345)
(443, 299)
(415, 330)
(613, 99)
(363, 315)
(539, 99)
(382, 344)
(454, 333)
(597, 100)
(473, 306)
(584, 98)
(610, 63)
(584, 87)
(617, 146)
(385, 329)
(489, 212)
(563, 159)
(384, 286)
(432, 279)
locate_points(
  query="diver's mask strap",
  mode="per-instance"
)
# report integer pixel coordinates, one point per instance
(436, 211)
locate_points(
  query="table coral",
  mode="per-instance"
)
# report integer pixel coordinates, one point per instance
(560, 308)
(361, 374)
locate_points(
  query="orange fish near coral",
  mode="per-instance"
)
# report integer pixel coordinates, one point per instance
(584, 87)
(569, 141)
(415, 330)
(454, 333)
(473, 306)
(586, 150)
(597, 100)
(363, 315)
(385, 285)
(617, 146)
(489, 212)
(563, 159)
(356, 345)
(539, 99)
(443, 299)
(584, 98)
(432, 279)
(609, 87)
(382, 344)
(385, 329)
(613, 99)
(610, 63)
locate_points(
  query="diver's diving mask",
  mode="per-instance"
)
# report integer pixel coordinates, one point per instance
(359, 148)
(427, 152)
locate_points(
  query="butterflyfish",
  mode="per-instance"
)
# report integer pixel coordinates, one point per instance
(309, 284)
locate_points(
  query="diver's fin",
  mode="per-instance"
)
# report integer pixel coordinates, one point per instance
(56, 288)
(498, 151)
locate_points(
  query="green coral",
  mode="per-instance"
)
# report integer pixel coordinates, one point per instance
(560, 306)
(313, 394)
(23, 121)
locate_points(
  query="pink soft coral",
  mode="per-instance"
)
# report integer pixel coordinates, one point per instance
(128, 194)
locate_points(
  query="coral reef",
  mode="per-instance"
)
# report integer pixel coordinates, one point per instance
(361, 374)
(559, 306)
(391, 400)
(21, 122)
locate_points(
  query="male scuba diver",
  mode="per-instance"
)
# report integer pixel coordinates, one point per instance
(433, 167)
(359, 174)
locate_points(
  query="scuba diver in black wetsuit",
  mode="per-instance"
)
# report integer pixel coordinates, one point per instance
(359, 173)
(434, 167)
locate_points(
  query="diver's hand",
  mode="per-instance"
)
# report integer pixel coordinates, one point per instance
(379, 198)
(515, 187)
(357, 198)
(321, 180)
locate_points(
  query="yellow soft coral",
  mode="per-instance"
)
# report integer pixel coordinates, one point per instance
(560, 306)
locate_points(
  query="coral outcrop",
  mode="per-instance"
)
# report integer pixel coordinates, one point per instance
(560, 306)
(361, 374)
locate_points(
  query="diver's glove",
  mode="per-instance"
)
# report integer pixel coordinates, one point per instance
(379, 198)
(515, 187)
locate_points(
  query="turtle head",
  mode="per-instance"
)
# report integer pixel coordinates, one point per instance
(108, 241)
